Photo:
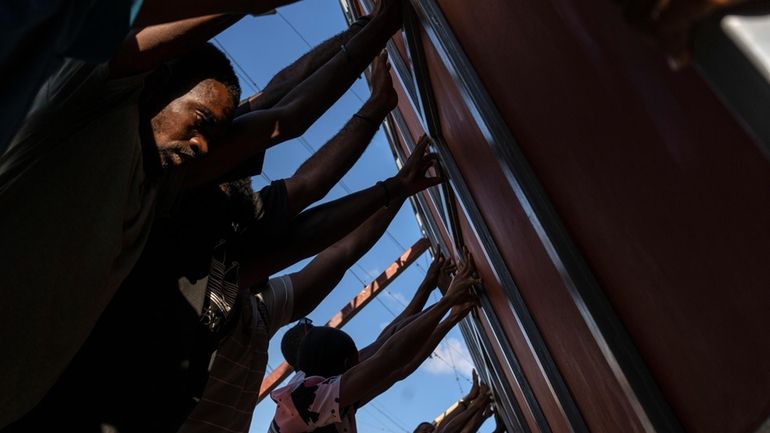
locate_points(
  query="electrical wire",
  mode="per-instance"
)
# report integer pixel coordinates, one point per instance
(377, 418)
(389, 418)
(250, 81)
(298, 33)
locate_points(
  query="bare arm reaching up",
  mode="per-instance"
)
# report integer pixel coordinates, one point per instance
(459, 422)
(155, 12)
(147, 48)
(251, 133)
(316, 176)
(404, 352)
(289, 77)
(437, 271)
(317, 228)
(316, 280)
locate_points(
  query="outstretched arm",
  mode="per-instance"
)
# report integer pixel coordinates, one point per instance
(314, 282)
(410, 312)
(477, 405)
(282, 83)
(252, 133)
(463, 404)
(404, 352)
(317, 175)
(317, 228)
(145, 49)
(290, 77)
(478, 418)
(440, 270)
(155, 12)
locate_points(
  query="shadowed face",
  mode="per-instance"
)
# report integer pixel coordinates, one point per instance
(185, 129)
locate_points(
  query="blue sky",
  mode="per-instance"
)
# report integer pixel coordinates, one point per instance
(262, 46)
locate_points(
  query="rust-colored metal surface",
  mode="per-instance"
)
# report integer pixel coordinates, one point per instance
(349, 311)
(665, 194)
(567, 336)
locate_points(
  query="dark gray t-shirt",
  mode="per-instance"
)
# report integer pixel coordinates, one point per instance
(75, 212)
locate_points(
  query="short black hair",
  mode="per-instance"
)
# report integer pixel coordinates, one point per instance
(204, 62)
(326, 352)
(292, 340)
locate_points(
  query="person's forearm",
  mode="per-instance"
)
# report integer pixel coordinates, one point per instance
(319, 173)
(457, 423)
(427, 346)
(472, 426)
(292, 75)
(397, 353)
(446, 423)
(315, 229)
(396, 325)
(309, 100)
(256, 131)
(362, 239)
(415, 338)
(316, 280)
(418, 300)
(148, 48)
(155, 12)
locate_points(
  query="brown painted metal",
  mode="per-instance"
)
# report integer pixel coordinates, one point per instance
(665, 194)
(352, 308)
(662, 192)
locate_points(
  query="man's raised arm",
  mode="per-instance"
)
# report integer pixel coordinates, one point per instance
(155, 12)
(316, 176)
(317, 228)
(409, 347)
(251, 133)
(292, 75)
(144, 49)
(316, 280)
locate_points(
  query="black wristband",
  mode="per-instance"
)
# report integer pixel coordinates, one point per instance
(367, 120)
(387, 193)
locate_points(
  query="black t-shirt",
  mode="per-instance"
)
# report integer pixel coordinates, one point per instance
(146, 361)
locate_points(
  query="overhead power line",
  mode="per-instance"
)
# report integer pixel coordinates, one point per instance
(298, 33)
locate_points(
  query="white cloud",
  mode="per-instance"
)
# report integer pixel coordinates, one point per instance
(450, 352)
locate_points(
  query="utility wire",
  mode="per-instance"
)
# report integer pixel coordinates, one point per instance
(389, 418)
(250, 81)
(286, 20)
(376, 417)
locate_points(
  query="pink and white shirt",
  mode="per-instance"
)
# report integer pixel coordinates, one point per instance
(310, 403)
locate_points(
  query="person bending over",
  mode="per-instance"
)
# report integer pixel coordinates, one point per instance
(104, 149)
(166, 344)
(331, 383)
